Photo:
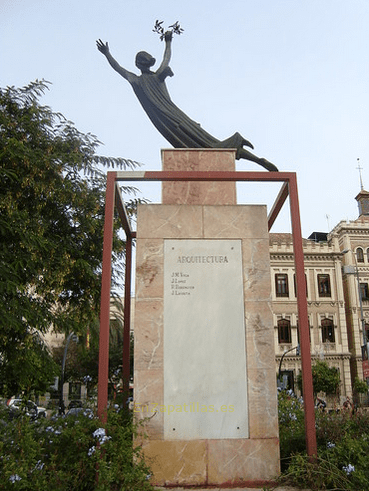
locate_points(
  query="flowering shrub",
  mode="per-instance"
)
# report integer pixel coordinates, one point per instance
(343, 448)
(291, 426)
(71, 454)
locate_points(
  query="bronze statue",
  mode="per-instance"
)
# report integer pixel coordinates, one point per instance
(176, 127)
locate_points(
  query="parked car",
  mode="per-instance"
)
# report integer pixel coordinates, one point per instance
(75, 411)
(75, 403)
(31, 409)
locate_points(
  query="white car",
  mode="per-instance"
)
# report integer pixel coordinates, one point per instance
(31, 409)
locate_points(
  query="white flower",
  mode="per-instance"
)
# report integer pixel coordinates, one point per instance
(100, 435)
(104, 439)
(91, 451)
(88, 413)
(14, 478)
(39, 466)
(348, 469)
(100, 432)
(331, 445)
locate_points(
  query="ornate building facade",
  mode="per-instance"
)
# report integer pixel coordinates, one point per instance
(337, 280)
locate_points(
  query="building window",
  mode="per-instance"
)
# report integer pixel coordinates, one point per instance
(295, 285)
(359, 255)
(284, 331)
(364, 291)
(281, 285)
(74, 390)
(367, 255)
(324, 285)
(327, 331)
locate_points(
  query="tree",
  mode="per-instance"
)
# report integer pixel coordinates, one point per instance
(51, 228)
(325, 379)
(82, 357)
(360, 386)
(360, 389)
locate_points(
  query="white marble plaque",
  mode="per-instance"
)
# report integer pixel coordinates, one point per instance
(205, 383)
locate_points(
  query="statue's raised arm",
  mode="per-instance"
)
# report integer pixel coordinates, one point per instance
(104, 49)
(176, 127)
(168, 36)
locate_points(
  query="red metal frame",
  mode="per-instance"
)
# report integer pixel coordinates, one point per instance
(102, 385)
(288, 189)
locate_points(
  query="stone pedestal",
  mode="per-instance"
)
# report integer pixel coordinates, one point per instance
(204, 346)
(203, 192)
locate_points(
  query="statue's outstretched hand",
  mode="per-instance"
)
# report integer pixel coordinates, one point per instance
(102, 47)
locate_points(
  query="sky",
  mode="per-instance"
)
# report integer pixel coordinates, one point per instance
(291, 76)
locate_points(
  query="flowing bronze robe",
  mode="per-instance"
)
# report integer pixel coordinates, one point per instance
(176, 127)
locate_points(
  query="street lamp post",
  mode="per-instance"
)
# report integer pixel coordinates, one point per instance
(282, 357)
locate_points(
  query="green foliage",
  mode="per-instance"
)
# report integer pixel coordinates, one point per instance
(51, 227)
(319, 475)
(325, 379)
(72, 454)
(82, 358)
(30, 369)
(89, 357)
(291, 426)
(360, 386)
(343, 446)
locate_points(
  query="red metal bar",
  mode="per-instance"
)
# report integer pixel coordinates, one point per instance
(215, 176)
(122, 212)
(307, 379)
(127, 319)
(277, 206)
(102, 385)
(204, 176)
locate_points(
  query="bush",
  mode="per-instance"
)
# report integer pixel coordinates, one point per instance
(72, 454)
(325, 378)
(360, 390)
(343, 447)
(291, 426)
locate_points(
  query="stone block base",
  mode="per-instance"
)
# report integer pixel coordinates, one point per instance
(204, 333)
(212, 462)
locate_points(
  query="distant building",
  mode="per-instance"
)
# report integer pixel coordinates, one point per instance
(326, 307)
(352, 239)
(335, 264)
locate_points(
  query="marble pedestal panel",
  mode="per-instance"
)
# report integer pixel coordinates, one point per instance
(240, 446)
(198, 192)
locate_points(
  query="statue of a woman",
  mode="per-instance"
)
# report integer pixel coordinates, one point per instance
(176, 127)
